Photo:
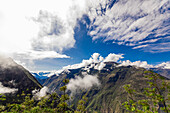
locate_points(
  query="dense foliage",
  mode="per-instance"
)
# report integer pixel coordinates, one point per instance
(154, 97)
(52, 103)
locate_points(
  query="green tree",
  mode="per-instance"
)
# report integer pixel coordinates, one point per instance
(81, 107)
(155, 96)
(51, 103)
(63, 105)
(2, 98)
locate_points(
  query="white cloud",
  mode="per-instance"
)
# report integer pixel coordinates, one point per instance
(43, 73)
(164, 65)
(39, 94)
(141, 46)
(113, 57)
(152, 40)
(87, 81)
(131, 22)
(96, 61)
(47, 27)
(100, 66)
(54, 34)
(38, 55)
(6, 62)
(157, 48)
(43, 27)
(95, 58)
(143, 64)
(4, 89)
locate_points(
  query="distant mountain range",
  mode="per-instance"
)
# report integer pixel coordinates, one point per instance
(163, 72)
(104, 87)
(42, 76)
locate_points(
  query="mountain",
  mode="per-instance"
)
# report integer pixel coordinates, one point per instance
(15, 79)
(163, 72)
(104, 88)
(42, 76)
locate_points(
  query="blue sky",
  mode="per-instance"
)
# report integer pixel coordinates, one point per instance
(85, 47)
(60, 33)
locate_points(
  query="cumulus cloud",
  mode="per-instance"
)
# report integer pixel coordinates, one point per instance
(131, 22)
(46, 27)
(42, 32)
(54, 33)
(39, 94)
(113, 57)
(95, 58)
(100, 66)
(98, 62)
(85, 82)
(143, 64)
(4, 89)
(164, 65)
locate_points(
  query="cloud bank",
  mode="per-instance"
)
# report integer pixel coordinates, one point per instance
(4, 89)
(6, 62)
(164, 65)
(98, 62)
(143, 64)
(113, 57)
(39, 94)
(87, 81)
(98, 59)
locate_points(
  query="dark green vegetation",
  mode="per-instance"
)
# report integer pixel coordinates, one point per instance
(154, 98)
(51, 103)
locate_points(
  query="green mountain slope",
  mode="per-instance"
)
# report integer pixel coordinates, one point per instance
(110, 94)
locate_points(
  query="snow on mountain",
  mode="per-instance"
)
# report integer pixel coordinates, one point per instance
(98, 62)
(42, 74)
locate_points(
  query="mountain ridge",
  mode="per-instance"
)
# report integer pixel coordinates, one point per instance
(106, 97)
(14, 76)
